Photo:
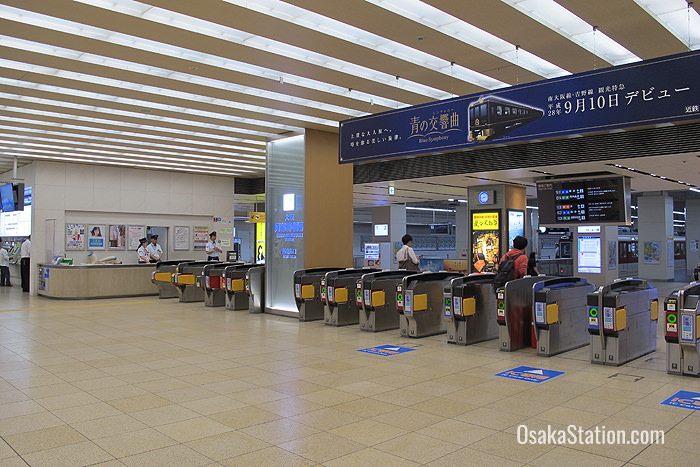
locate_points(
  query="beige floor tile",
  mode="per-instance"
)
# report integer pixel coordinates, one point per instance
(134, 442)
(591, 404)
(491, 418)
(163, 385)
(519, 406)
(367, 457)
(257, 396)
(297, 387)
(46, 438)
(227, 445)
(279, 431)
(178, 396)
(213, 405)
(506, 445)
(321, 447)
(17, 409)
(365, 388)
(25, 423)
(201, 379)
(244, 417)
(14, 461)
(99, 383)
(664, 416)
(403, 398)
(117, 392)
(409, 419)
(12, 395)
(85, 453)
(171, 456)
(327, 418)
(330, 397)
(5, 450)
(458, 432)
(269, 457)
(368, 432)
(229, 386)
(67, 401)
(444, 407)
(564, 456)
(468, 457)
(51, 390)
(657, 456)
(164, 415)
(433, 388)
(194, 428)
(108, 426)
(138, 403)
(418, 448)
(567, 416)
(290, 406)
(367, 407)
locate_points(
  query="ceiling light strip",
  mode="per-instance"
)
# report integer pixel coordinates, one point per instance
(680, 19)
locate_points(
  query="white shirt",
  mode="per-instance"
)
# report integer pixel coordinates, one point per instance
(143, 254)
(26, 249)
(212, 247)
(4, 257)
(155, 250)
(405, 253)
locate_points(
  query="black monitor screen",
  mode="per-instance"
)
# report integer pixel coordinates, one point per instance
(592, 201)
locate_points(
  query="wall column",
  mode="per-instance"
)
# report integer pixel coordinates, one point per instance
(655, 226)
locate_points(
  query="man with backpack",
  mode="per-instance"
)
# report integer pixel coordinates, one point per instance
(513, 265)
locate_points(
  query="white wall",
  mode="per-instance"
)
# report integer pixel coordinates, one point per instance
(76, 193)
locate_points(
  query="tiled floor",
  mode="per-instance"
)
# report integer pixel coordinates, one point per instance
(148, 382)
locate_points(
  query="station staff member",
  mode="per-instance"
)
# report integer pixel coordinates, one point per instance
(4, 266)
(213, 248)
(25, 252)
(155, 252)
(142, 252)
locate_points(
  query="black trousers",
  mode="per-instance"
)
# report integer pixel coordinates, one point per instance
(212, 258)
(4, 275)
(24, 273)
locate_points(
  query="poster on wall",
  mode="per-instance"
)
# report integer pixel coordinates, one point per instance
(612, 254)
(181, 238)
(225, 236)
(201, 237)
(694, 245)
(516, 225)
(486, 241)
(260, 243)
(117, 236)
(96, 239)
(652, 252)
(75, 237)
(136, 233)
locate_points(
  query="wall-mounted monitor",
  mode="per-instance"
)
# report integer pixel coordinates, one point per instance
(372, 251)
(381, 230)
(589, 255)
(601, 200)
(7, 198)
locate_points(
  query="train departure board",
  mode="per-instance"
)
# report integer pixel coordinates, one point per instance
(603, 200)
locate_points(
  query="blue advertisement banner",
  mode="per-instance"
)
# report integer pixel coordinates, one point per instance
(649, 92)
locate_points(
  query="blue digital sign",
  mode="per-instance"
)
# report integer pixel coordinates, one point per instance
(648, 92)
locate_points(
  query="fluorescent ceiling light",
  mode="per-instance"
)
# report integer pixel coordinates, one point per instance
(429, 209)
(562, 21)
(454, 27)
(682, 20)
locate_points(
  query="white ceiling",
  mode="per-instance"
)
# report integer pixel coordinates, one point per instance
(200, 86)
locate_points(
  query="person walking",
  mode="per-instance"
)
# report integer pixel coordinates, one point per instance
(25, 252)
(406, 256)
(4, 266)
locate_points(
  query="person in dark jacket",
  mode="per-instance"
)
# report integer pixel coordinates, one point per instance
(519, 245)
(532, 265)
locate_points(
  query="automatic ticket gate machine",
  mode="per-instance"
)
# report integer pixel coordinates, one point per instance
(162, 277)
(341, 303)
(682, 310)
(310, 292)
(514, 303)
(376, 300)
(255, 288)
(186, 277)
(469, 309)
(622, 319)
(213, 284)
(403, 321)
(423, 302)
(236, 297)
(560, 314)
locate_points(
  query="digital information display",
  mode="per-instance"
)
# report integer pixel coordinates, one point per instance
(381, 230)
(597, 200)
(589, 255)
(372, 251)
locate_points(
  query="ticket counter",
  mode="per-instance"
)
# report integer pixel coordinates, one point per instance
(95, 281)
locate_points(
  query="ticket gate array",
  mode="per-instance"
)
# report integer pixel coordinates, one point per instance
(403, 321)
(682, 319)
(235, 296)
(622, 319)
(187, 279)
(469, 306)
(560, 314)
(255, 288)
(162, 277)
(514, 303)
(341, 304)
(376, 300)
(213, 284)
(423, 302)
(310, 293)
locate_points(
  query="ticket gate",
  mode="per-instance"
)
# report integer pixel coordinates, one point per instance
(310, 293)
(162, 277)
(469, 305)
(423, 302)
(341, 305)
(214, 284)
(255, 288)
(622, 319)
(514, 303)
(403, 321)
(187, 279)
(682, 318)
(236, 297)
(376, 300)
(560, 314)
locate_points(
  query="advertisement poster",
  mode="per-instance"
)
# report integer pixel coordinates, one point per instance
(181, 237)
(136, 232)
(260, 243)
(694, 245)
(457, 265)
(431, 264)
(201, 237)
(589, 255)
(117, 237)
(486, 241)
(652, 252)
(226, 236)
(612, 254)
(516, 225)
(96, 239)
(75, 237)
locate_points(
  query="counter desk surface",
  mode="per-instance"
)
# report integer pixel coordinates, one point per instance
(96, 280)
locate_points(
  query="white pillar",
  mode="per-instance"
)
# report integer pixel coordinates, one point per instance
(655, 226)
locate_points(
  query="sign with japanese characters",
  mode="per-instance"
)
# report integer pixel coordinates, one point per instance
(653, 91)
(485, 220)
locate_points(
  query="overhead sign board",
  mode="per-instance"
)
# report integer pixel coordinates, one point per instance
(256, 217)
(648, 92)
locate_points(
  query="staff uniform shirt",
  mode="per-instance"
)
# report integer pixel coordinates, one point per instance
(406, 253)
(4, 258)
(143, 254)
(211, 246)
(154, 250)
(25, 250)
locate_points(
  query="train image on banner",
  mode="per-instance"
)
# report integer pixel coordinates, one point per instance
(492, 116)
